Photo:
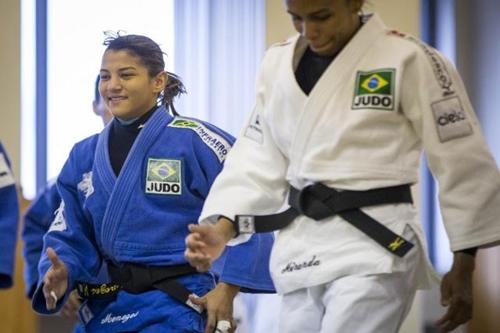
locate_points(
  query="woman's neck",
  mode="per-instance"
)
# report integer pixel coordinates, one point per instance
(129, 121)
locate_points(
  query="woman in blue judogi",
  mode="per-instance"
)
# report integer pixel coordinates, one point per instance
(128, 195)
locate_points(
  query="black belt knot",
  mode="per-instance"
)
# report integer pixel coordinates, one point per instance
(314, 201)
(318, 201)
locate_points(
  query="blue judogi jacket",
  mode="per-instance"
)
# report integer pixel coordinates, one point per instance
(9, 216)
(141, 216)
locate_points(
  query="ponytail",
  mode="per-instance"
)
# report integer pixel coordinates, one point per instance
(174, 88)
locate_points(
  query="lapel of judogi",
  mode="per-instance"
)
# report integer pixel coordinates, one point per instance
(328, 85)
(130, 174)
(102, 165)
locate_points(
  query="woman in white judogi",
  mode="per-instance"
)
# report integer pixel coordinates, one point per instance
(350, 104)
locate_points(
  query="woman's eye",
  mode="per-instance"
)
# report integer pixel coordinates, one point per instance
(322, 18)
(103, 77)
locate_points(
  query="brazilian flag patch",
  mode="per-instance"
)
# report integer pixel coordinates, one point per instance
(164, 176)
(374, 90)
(184, 123)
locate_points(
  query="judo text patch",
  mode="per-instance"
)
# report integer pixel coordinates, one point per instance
(164, 177)
(451, 119)
(374, 90)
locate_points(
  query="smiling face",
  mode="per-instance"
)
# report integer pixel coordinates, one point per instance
(125, 85)
(327, 25)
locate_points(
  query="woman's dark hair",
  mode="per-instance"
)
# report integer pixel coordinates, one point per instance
(151, 55)
(97, 94)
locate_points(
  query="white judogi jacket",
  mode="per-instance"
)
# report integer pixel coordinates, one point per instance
(385, 96)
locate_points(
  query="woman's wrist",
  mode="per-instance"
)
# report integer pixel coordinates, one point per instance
(463, 262)
(225, 228)
(229, 289)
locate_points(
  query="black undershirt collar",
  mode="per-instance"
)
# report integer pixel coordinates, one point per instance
(122, 137)
(310, 69)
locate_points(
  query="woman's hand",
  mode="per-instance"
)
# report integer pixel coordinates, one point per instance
(219, 306)
(55, 280)
(70, 309)
(456, 293)
(206, 243)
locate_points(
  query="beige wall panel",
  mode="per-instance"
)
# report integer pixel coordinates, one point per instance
(401, 14)
(10, 114)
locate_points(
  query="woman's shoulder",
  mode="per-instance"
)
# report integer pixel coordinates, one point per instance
(405, 41)
(197, 127)
(87, 144)
(278, 49)
(82, 153)
(204, 134)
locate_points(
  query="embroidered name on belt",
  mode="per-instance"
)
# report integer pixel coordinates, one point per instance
(164, 176)
(374, 90)
(87, 290)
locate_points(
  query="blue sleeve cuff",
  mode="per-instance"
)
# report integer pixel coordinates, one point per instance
(251, 287)
(247, 265)
(38, 300)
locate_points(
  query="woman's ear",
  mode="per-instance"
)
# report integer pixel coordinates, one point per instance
(160, 82)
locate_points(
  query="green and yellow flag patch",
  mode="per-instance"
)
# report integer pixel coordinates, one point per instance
(184, 123)
(164, 176)
(374, 90)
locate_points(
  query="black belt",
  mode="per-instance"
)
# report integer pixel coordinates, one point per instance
(137, 279)
(318, 201)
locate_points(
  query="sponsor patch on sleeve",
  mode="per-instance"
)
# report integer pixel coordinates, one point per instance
(443, 77)
(254, 129)
(6, 177)
(374, 90)
(450, 119)
(214, 141)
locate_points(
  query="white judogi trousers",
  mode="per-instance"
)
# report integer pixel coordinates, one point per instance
(375, 303)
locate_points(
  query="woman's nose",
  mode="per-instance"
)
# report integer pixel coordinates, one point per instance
(114, 83)
(309, 30)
